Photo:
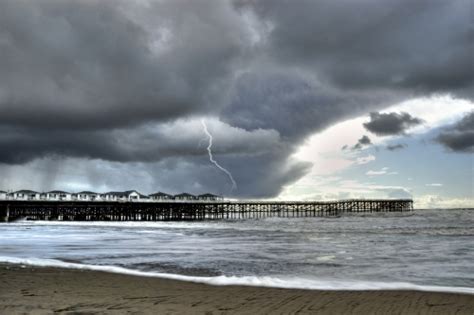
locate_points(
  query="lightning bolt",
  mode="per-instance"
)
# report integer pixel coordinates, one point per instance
(211, 158)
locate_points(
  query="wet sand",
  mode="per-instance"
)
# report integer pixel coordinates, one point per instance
(32, 290)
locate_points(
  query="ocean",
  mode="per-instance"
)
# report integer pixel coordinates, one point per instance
(430, 250)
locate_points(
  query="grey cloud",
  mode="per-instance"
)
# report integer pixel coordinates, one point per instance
(95, 64)
(371, 44)
(391, 123)
(265, 178)
(293, 104)
(148, 143)
(362, 142)
(365, 140)
(395, 147)
(460, 136)
(192, 174)
(169, 156)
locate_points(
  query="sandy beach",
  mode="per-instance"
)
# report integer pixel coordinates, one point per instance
(33, 290)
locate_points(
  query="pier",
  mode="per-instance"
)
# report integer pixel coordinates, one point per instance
(11, 210)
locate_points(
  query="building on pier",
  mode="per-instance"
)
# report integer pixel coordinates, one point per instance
(129, 195)
(210, 197)
(24, 195)
(115, 196)
(3, 194)
(185, 197)
(161, 196)
(87, 196)
(59, 195)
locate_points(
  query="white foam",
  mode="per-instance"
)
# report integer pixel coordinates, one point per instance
(129, 224)
(326, 258)
(209, 225)
(263, 281)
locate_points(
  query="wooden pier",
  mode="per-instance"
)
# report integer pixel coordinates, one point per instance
(11, 210)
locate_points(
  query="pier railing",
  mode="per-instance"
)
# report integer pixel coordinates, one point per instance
(11, 210)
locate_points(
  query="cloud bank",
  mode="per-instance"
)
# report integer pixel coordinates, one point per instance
(126, 81)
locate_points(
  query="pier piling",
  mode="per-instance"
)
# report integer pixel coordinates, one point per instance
(4, 212)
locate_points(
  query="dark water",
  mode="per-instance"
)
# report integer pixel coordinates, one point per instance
(425, 247)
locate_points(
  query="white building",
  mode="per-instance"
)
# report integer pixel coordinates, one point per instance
(161, 196)
(184, 196)
(129, 195)
(3, 195)
(134, 195)
(24, 195)
(58, 195)
(112, 196)
(87, 196)
(210, 197)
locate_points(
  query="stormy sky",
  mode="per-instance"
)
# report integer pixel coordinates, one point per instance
(109, 95)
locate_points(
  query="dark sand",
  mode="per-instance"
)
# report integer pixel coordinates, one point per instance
(32, 290)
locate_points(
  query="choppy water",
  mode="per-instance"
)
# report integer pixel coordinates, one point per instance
(419, 249)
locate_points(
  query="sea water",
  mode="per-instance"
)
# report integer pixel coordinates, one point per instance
(424, 250)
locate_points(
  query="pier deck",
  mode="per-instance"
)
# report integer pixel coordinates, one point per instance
(11, 210)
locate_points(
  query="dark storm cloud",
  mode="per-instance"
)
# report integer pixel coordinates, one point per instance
(270, 173)
(295, 105)
(148, 143)
(460, 136)
(391, 123)
(395, 147)
(105, 80)
(173, 175)
(421, 46)
(99, 64)
(171, 156)
(362, 142)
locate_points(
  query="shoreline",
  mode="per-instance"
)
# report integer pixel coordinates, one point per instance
(222, 280)
(43, 290)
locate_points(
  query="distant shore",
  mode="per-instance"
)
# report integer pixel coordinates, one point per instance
(29, 289)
